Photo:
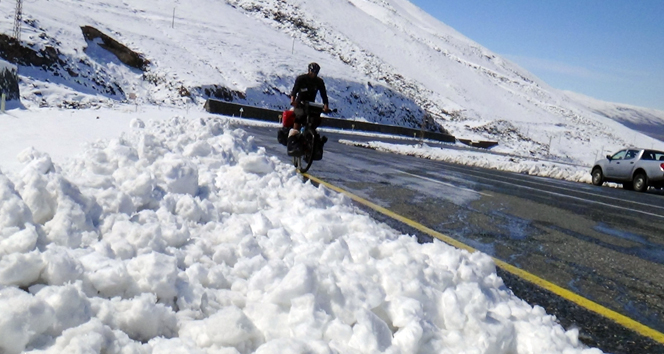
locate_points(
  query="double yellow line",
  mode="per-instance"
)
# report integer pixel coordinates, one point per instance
(575, 298)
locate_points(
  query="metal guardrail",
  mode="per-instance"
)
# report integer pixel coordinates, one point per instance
(244, 111)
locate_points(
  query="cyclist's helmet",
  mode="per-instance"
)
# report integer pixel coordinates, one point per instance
(314, 68)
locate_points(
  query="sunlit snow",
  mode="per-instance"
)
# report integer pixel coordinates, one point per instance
(182, 235)
(140, 224)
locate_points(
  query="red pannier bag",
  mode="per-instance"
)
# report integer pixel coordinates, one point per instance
(288, 118)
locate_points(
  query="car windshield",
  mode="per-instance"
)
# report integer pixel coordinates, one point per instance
(653, 155)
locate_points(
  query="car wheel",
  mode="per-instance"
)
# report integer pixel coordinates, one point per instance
(598, 177)
(640, 182)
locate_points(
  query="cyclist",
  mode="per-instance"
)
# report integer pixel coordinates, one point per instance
(306, 87)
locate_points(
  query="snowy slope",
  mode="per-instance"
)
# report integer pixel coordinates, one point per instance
(647, 121)
(383, 61)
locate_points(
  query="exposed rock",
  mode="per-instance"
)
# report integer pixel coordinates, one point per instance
(123, 53)
(76, 70)
(14, 52)
(9, 81)
(219, 92)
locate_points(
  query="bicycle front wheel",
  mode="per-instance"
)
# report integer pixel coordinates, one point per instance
(303, 163)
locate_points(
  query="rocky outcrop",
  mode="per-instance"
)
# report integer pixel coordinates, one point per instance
(123, 53)
(47, 56)
(9, 81)
(218, 92)
(14, 52)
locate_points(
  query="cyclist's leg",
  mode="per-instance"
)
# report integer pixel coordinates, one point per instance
(293, 143)
(300, 120)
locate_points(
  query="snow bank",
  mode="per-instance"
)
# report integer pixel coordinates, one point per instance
(184, 237)
(507, 163)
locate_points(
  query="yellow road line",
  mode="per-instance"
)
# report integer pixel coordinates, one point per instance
(562, 292)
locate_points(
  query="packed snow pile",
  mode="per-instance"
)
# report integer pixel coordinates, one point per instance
(530, 166)
(182, 236)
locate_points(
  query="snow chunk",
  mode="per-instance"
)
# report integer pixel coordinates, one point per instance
(38, 195)
(155, 273)
(106, 277)
(14, 240)
(36, 160)
(256, 163)
(76, 215)
(71, 307)
(229, 327)
(137, 123)
(177, 175)
(141, 318)
(94, 337)
(21, 269)
(299, 281)
(13, 210)
(370, 333)
(61, 266)
(23, 319)
(198, 148)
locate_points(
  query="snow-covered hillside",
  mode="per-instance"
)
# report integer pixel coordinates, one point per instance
(647, 121)
(383, 60)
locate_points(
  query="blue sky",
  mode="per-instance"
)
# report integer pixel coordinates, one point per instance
(608, 49)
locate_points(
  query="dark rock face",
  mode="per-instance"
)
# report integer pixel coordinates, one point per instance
(9, 81)
(218, 92)
(14, 52)
(123, 53)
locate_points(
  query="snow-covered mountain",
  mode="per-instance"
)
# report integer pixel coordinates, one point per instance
(383, 61)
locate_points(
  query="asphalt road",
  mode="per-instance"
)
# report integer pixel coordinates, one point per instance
(602, 243)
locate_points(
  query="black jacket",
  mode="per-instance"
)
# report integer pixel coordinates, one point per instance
(306, 88)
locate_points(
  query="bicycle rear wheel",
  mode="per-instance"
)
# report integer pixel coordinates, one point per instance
(303, 163)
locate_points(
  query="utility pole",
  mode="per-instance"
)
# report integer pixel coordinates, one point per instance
(18, 18)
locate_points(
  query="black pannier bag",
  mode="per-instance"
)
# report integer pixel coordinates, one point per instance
(318, 153)
(282, 135)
